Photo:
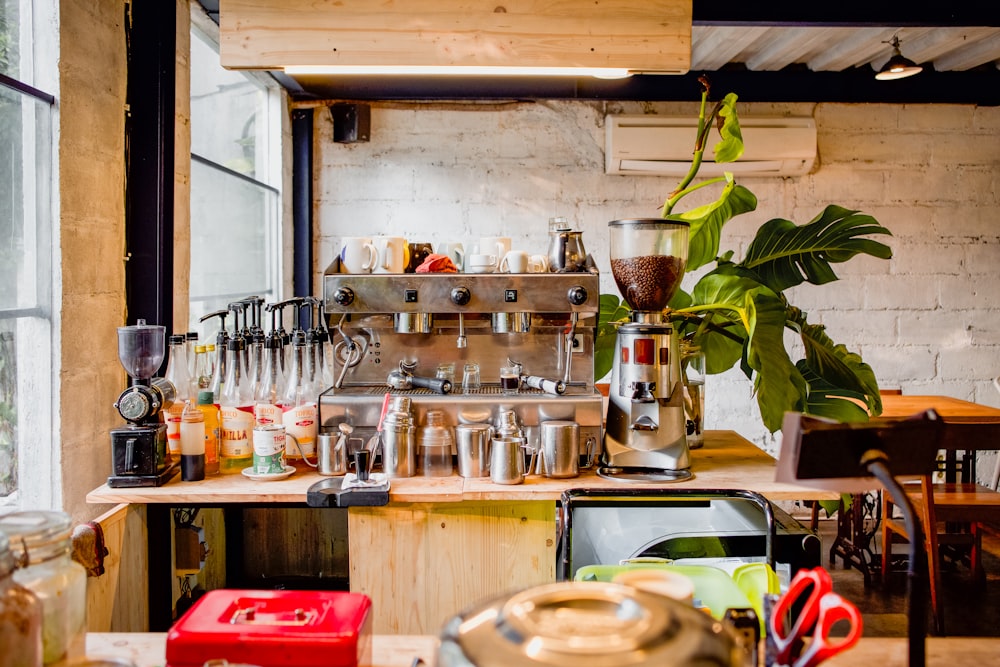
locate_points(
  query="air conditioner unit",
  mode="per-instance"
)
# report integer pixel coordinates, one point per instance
(653, 145)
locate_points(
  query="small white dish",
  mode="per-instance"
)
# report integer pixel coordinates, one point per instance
(268, 477)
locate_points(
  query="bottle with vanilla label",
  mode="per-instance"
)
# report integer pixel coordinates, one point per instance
(236, 412)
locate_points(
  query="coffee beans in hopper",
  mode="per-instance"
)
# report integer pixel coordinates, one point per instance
(648, 282)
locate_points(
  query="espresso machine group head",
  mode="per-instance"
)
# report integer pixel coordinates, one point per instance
(645, 432)
(139, 448)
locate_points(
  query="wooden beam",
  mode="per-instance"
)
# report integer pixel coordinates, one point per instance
(650, 36)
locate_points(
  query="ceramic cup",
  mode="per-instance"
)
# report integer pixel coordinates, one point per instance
(494, 245)
(481, 264)
(515, 261)
(455, 251)
(358, 255)
(392, 254)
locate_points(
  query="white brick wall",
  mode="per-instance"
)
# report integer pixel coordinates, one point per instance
(925, 320)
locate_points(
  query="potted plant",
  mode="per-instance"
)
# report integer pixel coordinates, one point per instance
(738, 313)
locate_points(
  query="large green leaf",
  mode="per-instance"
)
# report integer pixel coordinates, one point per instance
(730, 148)
(707, 222)
(612, 311)
(830, 401)
(784, 254)
(836, 365)
(779, 386)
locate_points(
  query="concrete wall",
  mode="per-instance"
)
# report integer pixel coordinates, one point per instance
(927, 321)
(90, 239)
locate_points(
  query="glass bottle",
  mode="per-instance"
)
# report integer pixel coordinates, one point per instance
(192, 443)
(20, 616)
(177, 373)
(236, 411)
(206, 403)
(299, 412)
(40, 543)
(255, 347)
(693, 377)
(268, 397)
(191, 341)
(203, 366)
(218, 370)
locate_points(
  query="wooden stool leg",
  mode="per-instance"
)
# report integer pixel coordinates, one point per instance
(886, 538)
(929, 525)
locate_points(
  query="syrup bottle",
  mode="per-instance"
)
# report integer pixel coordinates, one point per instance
(177, 374)
(236, 409)
(300, 413)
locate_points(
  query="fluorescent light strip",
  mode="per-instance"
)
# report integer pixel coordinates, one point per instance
(457, 70)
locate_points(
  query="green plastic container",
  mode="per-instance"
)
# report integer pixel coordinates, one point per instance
(713, 588)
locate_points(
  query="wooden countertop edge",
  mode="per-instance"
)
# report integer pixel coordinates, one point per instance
(147, 650)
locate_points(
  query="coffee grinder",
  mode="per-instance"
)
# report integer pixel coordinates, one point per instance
(645, 437)
(139, 449)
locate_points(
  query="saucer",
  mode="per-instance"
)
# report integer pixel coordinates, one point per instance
(268, 477)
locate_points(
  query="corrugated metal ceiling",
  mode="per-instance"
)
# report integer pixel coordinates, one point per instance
(835, 49)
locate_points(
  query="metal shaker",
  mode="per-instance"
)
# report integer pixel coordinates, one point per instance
(399, 447)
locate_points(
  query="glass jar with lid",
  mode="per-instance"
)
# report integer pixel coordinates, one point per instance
(40, 543)
(20, 617)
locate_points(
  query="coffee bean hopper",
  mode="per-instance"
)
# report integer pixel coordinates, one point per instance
(645, 436)
(139, 449)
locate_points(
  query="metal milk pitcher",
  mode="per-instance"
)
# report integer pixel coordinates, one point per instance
(507, 460)
(566, 251)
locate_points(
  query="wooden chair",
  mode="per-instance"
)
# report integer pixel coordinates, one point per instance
(949, 514)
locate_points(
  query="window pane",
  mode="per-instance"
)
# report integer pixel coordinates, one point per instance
(24, 177)
(232, 240)
(9, 37)
(229, 120)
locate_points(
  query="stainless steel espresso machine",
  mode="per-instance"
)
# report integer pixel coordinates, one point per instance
(646, 433)
(396, 333)
(139, 449)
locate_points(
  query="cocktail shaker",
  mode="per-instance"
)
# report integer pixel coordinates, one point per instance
(399, 455)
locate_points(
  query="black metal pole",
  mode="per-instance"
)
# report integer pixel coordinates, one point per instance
(149, 193)
(916, 572)
(302, 261)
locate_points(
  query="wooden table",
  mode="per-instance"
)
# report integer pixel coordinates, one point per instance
(969, 427)
(148, 649)
(442, 543)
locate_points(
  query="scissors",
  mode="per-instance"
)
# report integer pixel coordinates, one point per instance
(816, 608)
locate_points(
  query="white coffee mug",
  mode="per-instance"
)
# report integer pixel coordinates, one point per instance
(480, 263)
(455, 251)
(494, 245)
(515, 261)
(538, 264)
(392, 254)
(358, 254)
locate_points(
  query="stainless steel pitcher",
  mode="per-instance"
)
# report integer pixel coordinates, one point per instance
(507, 460)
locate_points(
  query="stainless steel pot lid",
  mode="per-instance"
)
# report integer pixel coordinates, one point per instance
(584, 624)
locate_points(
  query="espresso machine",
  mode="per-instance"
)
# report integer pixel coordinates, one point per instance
(645, 435)
(426, 327)
(139, 449)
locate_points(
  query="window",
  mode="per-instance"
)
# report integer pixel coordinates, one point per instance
(235, 174)
(25, 263)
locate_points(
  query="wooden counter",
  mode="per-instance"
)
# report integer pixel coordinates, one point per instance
(147, 650)
(727, 461)
(442, 543)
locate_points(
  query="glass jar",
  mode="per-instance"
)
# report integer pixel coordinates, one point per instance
(20, 617)
(40, 544)
(435, 442)
(693, 376)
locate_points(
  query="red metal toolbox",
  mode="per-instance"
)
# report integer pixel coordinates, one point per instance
(274, 629)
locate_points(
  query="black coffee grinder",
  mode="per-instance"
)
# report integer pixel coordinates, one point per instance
(139, 449)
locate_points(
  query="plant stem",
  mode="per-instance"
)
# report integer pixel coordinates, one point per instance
(704, 125)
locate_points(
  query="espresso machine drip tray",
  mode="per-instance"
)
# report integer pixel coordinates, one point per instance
(640, 475)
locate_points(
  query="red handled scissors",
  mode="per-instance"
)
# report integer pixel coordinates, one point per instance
(816, 608)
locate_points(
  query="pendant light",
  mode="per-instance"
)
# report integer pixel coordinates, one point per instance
(897, 67)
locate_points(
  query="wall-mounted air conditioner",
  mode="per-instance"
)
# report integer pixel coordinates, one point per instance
(663, 145)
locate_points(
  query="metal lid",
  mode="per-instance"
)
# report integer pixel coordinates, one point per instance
(574, 623)
(649, 223)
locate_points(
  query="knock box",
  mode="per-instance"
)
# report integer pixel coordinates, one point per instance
(274, 629)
